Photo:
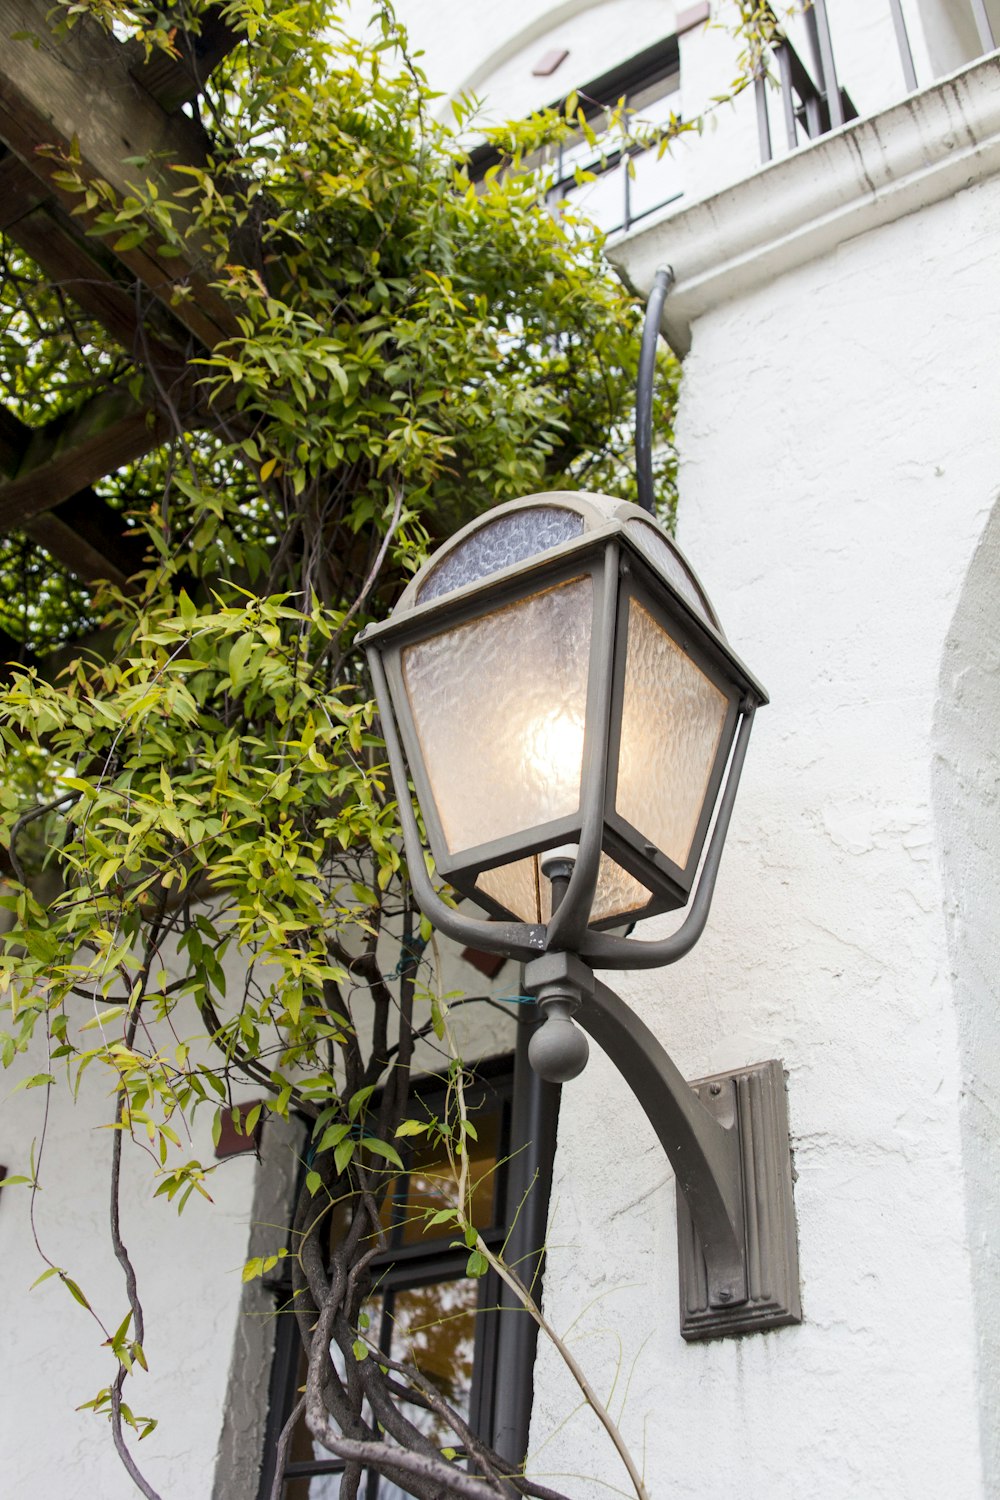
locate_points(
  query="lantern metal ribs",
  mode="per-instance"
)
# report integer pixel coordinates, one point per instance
(556, 685)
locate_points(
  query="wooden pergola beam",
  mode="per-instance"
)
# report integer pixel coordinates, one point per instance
(173, 81)
(69, 453)
(109, 101)
(75, 95)
(88, 537)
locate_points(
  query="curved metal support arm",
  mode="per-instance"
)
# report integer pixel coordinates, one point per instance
(604, 951)
(704, 1153)
(513, 939)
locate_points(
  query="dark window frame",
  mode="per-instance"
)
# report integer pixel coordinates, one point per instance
(630, 80)
(502, 1387)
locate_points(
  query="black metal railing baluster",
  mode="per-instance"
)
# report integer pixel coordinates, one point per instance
(984, 26)
(828, 68)
(781, 52)
(903, 43)
(763, 124)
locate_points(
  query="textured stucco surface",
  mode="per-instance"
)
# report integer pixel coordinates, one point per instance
(838, 439)
(188, 1271)
(967, 809)
(209, 1339)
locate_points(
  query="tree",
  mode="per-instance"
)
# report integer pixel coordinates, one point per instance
(399, 347)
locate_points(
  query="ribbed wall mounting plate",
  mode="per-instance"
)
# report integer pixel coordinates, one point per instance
(758, 1096)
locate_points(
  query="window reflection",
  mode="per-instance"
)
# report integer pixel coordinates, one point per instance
(434, 1328)
(423, 1311)
(430, 1185)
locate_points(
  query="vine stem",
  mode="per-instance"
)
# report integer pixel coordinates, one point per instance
(589, 1394)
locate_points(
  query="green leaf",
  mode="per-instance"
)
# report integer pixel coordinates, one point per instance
(332, 1136)
(51, 1271)
(36, 1081)
(358, 1100)
(342, 1155)
(360, 1349)
(477, 1264)
(74, 1290)
(382, 1148)
(109, 1014)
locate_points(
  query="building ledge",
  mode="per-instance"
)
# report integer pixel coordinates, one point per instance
(868, 173)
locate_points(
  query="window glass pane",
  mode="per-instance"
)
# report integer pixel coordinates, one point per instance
(430, 1185)
(655, 180)
(602, 200)
(434, 1328)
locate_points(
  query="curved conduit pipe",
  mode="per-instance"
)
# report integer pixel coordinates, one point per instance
(662, 282)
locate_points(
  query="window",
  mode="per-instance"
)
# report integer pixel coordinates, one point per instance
(626, 185)
(423, 1306)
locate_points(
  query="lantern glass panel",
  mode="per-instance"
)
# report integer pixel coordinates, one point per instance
(499, 706)
(659, 551)
(522, 890)
(499, 544)
(514, 887)
(618, 892)
(673, 716)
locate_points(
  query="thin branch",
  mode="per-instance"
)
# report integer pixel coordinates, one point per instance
(510, 1279)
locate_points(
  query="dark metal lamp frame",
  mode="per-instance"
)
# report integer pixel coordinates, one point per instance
(619, 572)
(727, 1138)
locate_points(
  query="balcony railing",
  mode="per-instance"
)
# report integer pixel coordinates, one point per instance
(813, 101)
(797, 89)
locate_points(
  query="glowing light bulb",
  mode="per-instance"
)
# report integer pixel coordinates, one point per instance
(553, 753)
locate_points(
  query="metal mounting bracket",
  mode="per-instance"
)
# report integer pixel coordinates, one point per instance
(727, 1140)
(754, 1099)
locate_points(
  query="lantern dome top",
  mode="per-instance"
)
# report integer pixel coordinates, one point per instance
(512, 533)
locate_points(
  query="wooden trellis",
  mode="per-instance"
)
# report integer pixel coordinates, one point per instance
(82, 92)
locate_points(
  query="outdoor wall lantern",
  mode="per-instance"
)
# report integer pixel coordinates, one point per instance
(556, 686)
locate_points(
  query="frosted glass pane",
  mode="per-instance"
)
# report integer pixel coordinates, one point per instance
(672, 721)
(521, 889)
(656, 180)
(617, 893)
(499, 544)
(499, 705)
(662, 555)
(515, 887)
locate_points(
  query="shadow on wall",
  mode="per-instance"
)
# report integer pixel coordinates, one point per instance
(966, 796)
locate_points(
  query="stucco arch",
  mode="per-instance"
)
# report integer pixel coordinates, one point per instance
(496, 59)
(966, 796)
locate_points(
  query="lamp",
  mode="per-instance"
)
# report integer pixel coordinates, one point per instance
(557, 687)
(559, 678)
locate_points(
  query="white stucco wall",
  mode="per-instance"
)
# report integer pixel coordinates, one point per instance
(489, 51)
(209, 1340)
(839, 460)
(967, 807)
(188, 1270)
